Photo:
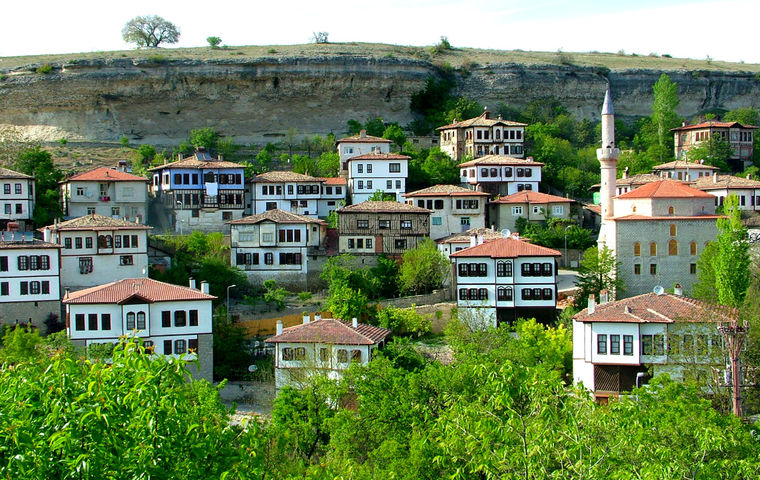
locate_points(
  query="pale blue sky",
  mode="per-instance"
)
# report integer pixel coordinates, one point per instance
(724, 30)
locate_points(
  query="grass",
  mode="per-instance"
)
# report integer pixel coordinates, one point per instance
(456, 57)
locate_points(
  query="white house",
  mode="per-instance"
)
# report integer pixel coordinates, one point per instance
(106, 191)
(684, 170)
(739, 136)
(16, 198)
(505, 279)
(746, 189)
(30, 287)
(371, 172)
(296, 193)
(355, 145)
(170, 319)
(334, 194)
(615, 344)
(455, 209)
(481, 136)
(459, 241)
(533, 206)
(501, 174)
(99, 249)
(323, 346)
(276, 244)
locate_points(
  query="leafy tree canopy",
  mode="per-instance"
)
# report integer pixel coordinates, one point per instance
(150, 31)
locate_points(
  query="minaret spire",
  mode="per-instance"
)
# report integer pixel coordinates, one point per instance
(608, 156)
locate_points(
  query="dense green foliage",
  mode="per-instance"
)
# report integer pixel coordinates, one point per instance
(423, 268)
(598, 271)
(555, 232)
(150, 31)
(39, 163)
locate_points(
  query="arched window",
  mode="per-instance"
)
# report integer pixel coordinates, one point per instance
(498, 134)
(637, 249)
(673, 229)
(653, 249)
(141, 320)
(672, 247)
(671, 210)
(693, 248)
(634, 207)
(131, 321)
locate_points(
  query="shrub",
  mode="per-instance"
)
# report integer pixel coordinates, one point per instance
(404, 320)
(271, 50)
(303, 296)
(44, 69)
(124, 141)
(213, 42)
(158, 59)
(441, 47)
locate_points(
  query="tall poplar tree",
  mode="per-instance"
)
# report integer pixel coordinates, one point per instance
(664, 106)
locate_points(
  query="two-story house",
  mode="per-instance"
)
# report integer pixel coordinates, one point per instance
(203, 192)
(745, 188)
(334, 194)
(533, 206)
(371, 172)
(276, 244)
(739, 136)
(170, 319)
(322, 346)
(287, 191)
(105, 191)
(374, 228)
(501, 174)
(361, 144)
(481, 136)
(459, 241)
(455, 209)
(505, 279)
(16, 199)
(99, 249)
(683, 170)
(30, 289)
(617, 344)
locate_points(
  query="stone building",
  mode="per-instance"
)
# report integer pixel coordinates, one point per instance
(535, 207)
(739, 136)
(374, 228)
(481, 136)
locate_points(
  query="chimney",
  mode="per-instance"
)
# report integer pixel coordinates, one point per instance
(204, 287)
(591, 304)
(479, 239)
(625, 172)
(362, 133)
(317, 317)
(221, 158)
(486, 113)
(473, 240)
(306, 318)
(179, 157)
(192, 283)
(715, 177)
(279, 327)
(493, 227)
(603, 297)
(627, 309)
(683, 124)
(678, 290)
(749, 176)
(355, 322)
(702, 161)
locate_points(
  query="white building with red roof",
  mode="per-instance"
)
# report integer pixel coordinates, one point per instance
(334, 195)
(533, 206)
(501, 174)
(170, 319)
(16, 199)
(375, 171)
(99, 249)
(459, 241)
(455, 209)
(505, 279)
(617, 344)
(355, 145)
(746, 189)
(684, 170)
(739, 136)
(481, 136)
(106, 191)
(324, 346)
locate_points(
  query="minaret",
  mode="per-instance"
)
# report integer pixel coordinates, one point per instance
(608, 156)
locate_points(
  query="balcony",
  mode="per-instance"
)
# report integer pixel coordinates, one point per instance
(104, 198)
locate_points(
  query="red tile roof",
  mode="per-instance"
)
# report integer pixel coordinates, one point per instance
(464, 237)
(500, 160)
(198, 160)
(363, 139)
(683, 164)
(105, 174)
(147, 289)
(277, 216)
(278, 176)
(383, 207)
(332, 332)
(379, 156)
(446, 191)
(530, 196)
(482, 121)
(665, 189)
(333, 180)
(711, 124)
(96, 221)
(653, 308)
(508, 247)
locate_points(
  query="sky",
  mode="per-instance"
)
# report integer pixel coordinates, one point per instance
(722, 30)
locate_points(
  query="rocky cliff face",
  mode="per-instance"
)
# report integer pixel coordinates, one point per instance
(258, 100)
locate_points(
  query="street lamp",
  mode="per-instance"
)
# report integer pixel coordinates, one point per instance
(228, 300)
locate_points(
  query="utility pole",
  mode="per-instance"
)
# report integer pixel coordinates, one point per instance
(733, 337)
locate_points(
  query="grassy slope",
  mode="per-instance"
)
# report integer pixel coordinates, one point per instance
(456, 57)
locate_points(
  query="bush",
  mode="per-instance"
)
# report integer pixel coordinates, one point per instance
(441, 47)
(213, 42)
(404, 320)
(158, 59)
(304, 296)
(45, 69)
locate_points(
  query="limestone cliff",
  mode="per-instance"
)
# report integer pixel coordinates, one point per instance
(257, 99)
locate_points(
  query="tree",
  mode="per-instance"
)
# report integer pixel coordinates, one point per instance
(732, 262)
(354, 127)
(423, 268)
(319, 37)
(345, 303)
(440, 168)
(395, 134)
(714, 151)
(375, 127)
(204, 137)
(381, 196)
(598, 271)
(664, 106)
(39, 163)
(150, 31)
(213, 42)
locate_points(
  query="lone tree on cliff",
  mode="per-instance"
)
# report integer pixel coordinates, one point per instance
(150, 31)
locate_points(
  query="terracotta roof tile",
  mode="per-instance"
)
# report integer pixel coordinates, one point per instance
(665, 189)
(8, 173)
(383, 207)
(482, 121)
(508, 247)
(530, 196)
(96, 222)
(464, 237)
(500, 160)
(683, 164)
(276, 216)
(334, 180)
(7, 244)
(379, 156)
(446, 190)
(711, 124)
(653, 308)
(363, 139)
(278, 176)
(129, 288)
(105, 174)
(332, 332)
(725, 181)
(198, 160)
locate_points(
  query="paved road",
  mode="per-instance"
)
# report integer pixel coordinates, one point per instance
(566, 279)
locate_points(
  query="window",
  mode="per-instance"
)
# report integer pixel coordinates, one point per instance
(324, 354)
(546, 269)
(658, 345)
(115, 211)
(558, 210)
(693, 268)
(637, 249)
(482, 294)
(653, 269)
(360, 185)
(67, 243)
(547, 293)
(673, 229)
(369, 168)
(504, 294)
(637, 269)
(87, 242)
(627, 344)
(4, 264)
(517, 210)
(180, 319)
(398, 184)
(19, 208)
(693, 248)
(356, 356)
(34, 288)
(394, 168)
(362, 224)
(504, 269)
(368, 243)
(192, 345)
(167, 347)
(483, 172)
(92, 321)
(389, 184)
(473, 294)
(342, 355)
(24, 288)
(166, 319)
(4, 289)
(350, 243)
(527, 294)
(85, 265)
(437, 221)
(269, 258)
(126, 260)
(399, 243)
(653, 249)
(79, 321)
(8, 208)
(7, 189)
(464, 220)
(406, 224)
(646, 344)
(193, 318)
(131, 321)
(672, 247)
(359, 168)
(462, 294)
(614, 344)
(671, 211)
(180, 347)
(601, 344)
(141, 320)
(300, 353)
(90, 210)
